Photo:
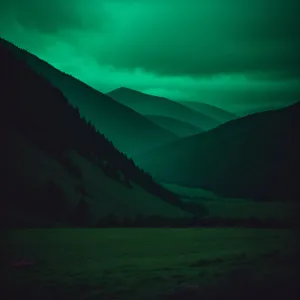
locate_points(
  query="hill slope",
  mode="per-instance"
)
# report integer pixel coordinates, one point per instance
(152, 105)
(128, 130)
(180, 128)
(57, 166)
(33, 173)
(254, 157)
(214, 112)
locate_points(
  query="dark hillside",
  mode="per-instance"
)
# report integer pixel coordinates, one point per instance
(254, 157)
(38, 111)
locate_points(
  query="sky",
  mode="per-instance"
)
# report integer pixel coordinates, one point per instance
(241, 55)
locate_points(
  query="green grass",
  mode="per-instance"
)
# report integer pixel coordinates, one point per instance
(230, 208)
(196, 193)
(147, 263)
(247, 209)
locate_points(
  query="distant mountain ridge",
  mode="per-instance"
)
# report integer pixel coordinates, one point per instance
(181, 129)
(153, 105)
(128, 130)
(255, 157)
(212, 111)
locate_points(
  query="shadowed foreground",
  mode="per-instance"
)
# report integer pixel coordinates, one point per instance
(150, 263)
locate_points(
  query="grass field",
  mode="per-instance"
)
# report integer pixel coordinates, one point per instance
(197, 193)
(150, 264)
(230, 208)
(247, 209)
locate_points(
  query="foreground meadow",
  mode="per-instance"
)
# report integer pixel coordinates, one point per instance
(150, 263)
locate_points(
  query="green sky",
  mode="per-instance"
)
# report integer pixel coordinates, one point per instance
(238, 54)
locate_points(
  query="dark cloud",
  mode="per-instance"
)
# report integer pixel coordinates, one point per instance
(210, 37)
(168, 37)
(53, 16)
(208, 49)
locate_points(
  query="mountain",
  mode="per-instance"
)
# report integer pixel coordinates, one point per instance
(212, 111)
(152, 105)
(129, 131)
(57, 168)
(180, 128)
(255, 157)
(245, 110)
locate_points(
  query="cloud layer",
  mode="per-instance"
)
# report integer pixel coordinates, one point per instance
(187, 49)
